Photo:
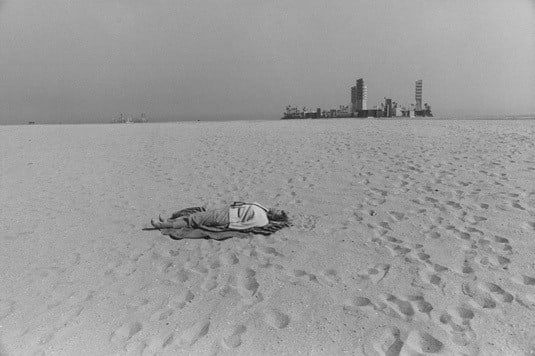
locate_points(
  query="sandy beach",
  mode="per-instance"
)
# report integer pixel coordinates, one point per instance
(408, 238)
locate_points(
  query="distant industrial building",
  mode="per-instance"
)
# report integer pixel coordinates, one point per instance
(359, 106)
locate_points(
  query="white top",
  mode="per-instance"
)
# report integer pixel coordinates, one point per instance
(247, 215)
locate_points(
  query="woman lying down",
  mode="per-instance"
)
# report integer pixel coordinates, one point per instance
(239, 216)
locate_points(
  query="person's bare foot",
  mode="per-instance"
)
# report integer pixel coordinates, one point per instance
(157, 224)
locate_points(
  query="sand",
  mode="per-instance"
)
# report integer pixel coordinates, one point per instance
(409, 237)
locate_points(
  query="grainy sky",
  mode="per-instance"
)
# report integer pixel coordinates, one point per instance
(88, 60)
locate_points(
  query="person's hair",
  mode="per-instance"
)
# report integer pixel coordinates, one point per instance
(277, 215)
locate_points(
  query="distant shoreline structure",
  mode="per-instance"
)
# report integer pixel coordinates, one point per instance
(500, 117)
(359, 107)
(122, 119)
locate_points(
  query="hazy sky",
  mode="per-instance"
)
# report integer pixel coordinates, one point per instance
(88, 60)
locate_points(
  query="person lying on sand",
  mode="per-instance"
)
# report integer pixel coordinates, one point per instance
(238, 216)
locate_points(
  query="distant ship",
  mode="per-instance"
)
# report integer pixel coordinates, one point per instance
(130, 120)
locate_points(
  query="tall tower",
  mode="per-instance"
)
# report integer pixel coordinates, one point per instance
(418, 94)
(388, 112)
(353, 99)
(361, 95)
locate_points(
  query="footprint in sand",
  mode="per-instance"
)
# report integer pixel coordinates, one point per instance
(331, 276)
(385, 225)
(375, 200)
(457, 324)
(466, 267)
(424, 342)
(501, 240)
(430, 276)
(276, 318)
(269, 251)
(375, 273)
(393, 240)
(125, 332)
(465, 313)
(210, 281)
(422, 305)
(497, 291)
(233, 338)
(474, 220)
(192, 334)
(179, 275)
(137, 303)
(358, 216)
(213, 264)
(247, 284)
(520, 279)
(397, 216)
(431, 200)
(161, 315)
(475, 230)
(228, 259)
(439, 268)
(424, 257)
(482, 299)
(299, 273)
(181, 300)
(530, 225)
(163, 266)
(458, 233)
(398, 251)
(454, 205)
(500, 243)
(69, 316)
(138, 348)
(125, 269)
(385, 341)
(174, 253)
(153, 346)
(377, 232)
(433, 234)
(195, 266)
(353, 305)
(527, 300)
(495, 260)
(64, 322)
(402, 307)
(518, 206)
(118, 270)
